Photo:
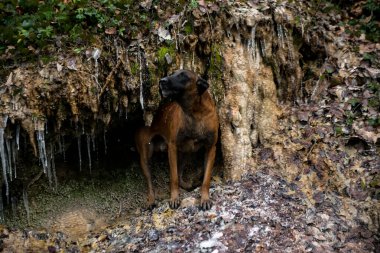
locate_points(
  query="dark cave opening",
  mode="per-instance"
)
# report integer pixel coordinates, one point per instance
(114, 163)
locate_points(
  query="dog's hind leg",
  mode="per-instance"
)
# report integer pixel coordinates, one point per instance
(145, 149)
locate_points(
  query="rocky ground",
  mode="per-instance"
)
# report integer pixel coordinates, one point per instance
(261, 213)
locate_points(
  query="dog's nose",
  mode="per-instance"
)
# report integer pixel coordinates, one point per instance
(163, 82)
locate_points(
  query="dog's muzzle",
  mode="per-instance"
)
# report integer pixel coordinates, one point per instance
(164, 87)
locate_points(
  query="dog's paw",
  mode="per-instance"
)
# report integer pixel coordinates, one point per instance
(206, 204)
(174, 203)
(151, 206)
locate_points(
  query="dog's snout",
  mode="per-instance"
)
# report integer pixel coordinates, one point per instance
(164, 81)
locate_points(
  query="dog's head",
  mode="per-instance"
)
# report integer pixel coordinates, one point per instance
(182, 82)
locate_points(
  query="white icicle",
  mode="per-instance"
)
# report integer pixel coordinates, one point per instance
(262, 46)
(9, 156)
(290, 46)
(14, 155)
(42, 149)
(251, 45)
(89, 151)
(141, 82)
(48, 169)
(18, 137)
(93, 142)
(280, 35)
(96, 55)
(4, 162)
(52, 165)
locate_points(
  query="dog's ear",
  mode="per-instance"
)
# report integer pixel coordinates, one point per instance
(202, 85)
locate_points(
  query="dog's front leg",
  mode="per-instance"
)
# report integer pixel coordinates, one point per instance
(145, 149)
(209, 164)
(146, 153)
(174, 189)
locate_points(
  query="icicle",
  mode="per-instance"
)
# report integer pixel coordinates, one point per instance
(280, 35)
(89, 151)
(105, 142)
(127, 63)
(52, 165)
(181, 63)
(262, 46)
(141, 82)
(42, 149)
(9, 156)
(252, 49)
(18, 137)
(49, 172)
(14, 155)
(93, 142)
(95, 55)
(290, 46)
(4, 162)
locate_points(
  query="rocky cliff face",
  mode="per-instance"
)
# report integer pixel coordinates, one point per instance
(247, 54)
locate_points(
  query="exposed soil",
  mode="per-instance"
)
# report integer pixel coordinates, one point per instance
(261, 213)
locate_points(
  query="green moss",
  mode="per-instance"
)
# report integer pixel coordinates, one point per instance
(134, 68)
(338, 130)
(163, 51)
(216, 72)
(188, 29)
(374, 102)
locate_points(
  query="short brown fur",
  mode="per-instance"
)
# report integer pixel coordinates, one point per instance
(188, 123)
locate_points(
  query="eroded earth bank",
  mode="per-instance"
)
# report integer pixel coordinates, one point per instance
(297, 91)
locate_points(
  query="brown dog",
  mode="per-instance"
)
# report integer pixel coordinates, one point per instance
(186, 124)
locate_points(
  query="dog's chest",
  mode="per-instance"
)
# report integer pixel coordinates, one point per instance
(193, 136)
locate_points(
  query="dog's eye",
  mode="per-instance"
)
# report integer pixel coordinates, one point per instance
(182, 76)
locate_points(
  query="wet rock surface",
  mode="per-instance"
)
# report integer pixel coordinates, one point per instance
(261, 213)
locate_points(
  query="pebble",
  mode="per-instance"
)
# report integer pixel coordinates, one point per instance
(153, 235)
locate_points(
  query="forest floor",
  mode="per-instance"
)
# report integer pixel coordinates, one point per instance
(260, 213)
